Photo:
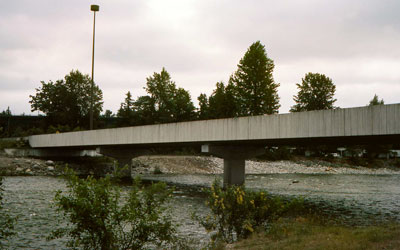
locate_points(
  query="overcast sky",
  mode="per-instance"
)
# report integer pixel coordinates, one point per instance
(354, 42)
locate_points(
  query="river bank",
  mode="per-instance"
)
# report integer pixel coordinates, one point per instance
(180, 164)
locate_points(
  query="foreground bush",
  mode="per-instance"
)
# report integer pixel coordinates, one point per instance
(236, 212)
(100, 219)
(6, 222)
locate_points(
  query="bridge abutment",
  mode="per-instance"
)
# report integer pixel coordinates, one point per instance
(234, 160)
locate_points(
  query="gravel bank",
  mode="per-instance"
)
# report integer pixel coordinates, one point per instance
(14, 166)
(214, 165)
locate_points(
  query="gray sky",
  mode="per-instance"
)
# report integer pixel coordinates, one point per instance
(355, 42)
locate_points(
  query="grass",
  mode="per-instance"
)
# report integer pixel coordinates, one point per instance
(304, 233)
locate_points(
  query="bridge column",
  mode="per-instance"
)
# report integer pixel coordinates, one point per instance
(234, 160)
(123, 157)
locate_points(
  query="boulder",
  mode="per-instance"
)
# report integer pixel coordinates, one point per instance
(36, 167)
(50, 163)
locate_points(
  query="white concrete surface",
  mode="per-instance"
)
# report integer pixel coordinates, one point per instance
(362, 121)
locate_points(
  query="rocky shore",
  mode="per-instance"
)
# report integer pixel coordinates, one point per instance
(213, 165)
(153, 164)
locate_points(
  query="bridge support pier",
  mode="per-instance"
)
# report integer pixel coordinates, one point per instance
(123, 157)
(234, 160)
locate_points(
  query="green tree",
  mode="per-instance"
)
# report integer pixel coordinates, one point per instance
(222, 102)
(145, 110)
(6, 112)
(376, 101)
(316, 92)
(183, 106)
(126, 110)
(204, 108)
(99, 218)
(255, 88)
(67, 102)
(170, 103)
(108, 114)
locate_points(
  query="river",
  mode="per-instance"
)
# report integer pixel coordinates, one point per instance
(361, 199)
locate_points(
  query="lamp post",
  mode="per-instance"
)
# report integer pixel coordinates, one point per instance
(93, 8)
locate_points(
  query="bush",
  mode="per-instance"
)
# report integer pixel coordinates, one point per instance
(100, 219)
(236, 213)
(6, 222)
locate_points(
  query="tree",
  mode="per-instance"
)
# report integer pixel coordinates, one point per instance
(67, 102)
(255, 88)
(222, 102)
(170, 104)
(315, 93)
(108, 114)
(375, 101)
(6, 112)
(204, 108)
(126, 110)
(145, 110)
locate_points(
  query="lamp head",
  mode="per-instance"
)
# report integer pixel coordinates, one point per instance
(94, 7)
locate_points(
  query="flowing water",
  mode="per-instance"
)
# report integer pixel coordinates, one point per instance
(359, 198)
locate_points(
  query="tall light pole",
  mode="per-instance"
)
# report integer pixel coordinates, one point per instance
(93, 8)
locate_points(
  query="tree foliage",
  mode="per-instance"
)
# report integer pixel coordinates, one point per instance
(316, 92)
(164, 103)
(222, 102)
(67, 101)
(253, 83)
(203, 112)
(171, 104)
(100, 218)
(376, 101)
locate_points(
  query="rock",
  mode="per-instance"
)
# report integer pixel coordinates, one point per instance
(50, 163)
(18, 169)
(295, 181)
(36, 167)
(50, 168)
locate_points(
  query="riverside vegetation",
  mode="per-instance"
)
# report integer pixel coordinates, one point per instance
(100, 218)
(235, 213)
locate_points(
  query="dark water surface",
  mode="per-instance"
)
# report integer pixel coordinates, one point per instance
(366, 198)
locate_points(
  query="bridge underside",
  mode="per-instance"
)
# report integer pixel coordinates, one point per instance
(234, 153)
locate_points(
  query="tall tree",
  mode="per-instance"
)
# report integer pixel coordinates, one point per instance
(126, 110)
(204, 108)
(256, 90)
(222, 103)
(170, 103)
(376, 101)
(316, 92)
(67, 102)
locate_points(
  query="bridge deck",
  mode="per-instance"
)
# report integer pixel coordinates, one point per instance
(381, 120)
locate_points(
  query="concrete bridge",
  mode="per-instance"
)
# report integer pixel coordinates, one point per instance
(236, 139)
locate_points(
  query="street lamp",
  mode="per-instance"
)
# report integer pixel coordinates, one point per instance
(93, 8)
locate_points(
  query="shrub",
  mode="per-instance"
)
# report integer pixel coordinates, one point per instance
(236, 213)
(100, 219)
(6, 222)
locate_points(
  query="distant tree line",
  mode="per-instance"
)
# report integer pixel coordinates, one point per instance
(251, 90)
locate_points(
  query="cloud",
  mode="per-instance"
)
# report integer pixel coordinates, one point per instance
(199, 43)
